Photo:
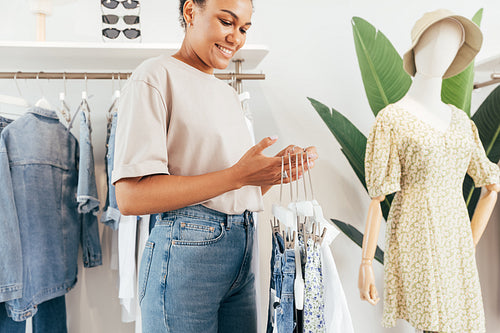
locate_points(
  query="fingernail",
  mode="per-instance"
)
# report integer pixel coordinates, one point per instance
(274, 137)
(313, 155)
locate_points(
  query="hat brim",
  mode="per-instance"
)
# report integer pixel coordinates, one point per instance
(465, 55)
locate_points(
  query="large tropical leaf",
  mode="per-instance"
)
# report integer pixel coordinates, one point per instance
(352, 142)
(381, 66)
(457, 90)
(487, 120)
(357, 237)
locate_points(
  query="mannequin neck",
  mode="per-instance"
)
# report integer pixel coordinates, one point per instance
(426, 89)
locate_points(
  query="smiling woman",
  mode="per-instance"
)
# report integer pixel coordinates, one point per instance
(183, 150)
(215, 30)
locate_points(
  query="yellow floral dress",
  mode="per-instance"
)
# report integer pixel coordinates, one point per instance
(431, 278)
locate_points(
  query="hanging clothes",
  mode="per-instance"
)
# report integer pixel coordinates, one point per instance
(38, 157)
(50, 318)
(10, 254)
(111, 214)
(314, 304)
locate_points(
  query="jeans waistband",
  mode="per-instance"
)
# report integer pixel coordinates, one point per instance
(204, 213)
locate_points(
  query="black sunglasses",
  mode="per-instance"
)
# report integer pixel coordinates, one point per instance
(113, 33)
(112, 4)
(113, 19)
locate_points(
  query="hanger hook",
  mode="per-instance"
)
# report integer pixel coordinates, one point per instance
(119, 82)
(17, 85)
(112, 83)
(303, 173)
(86, 87)
(64, 82)
(38, 82)
(309, 174)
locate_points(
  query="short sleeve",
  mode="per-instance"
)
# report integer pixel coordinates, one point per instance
(481, 169)
(141, 132)
(382, 167)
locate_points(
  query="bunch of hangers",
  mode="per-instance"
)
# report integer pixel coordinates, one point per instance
(65, 114)
(300, 219)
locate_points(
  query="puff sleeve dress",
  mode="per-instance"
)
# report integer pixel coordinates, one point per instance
(430, 272)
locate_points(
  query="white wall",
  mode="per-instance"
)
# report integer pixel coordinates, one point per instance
(312, 55)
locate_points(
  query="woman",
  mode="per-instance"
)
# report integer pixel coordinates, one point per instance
(183, 148)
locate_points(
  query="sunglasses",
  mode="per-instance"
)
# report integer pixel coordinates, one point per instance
(113, 19)
(112, 4)
(113, 33)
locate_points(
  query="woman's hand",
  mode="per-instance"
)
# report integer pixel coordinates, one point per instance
(254, 168)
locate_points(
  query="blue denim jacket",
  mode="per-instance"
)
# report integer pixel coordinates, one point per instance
(38, 156)
(111, 214)
(10, 252)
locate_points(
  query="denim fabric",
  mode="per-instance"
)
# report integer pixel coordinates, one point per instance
(41, 155)
(111, 214)
(195, 273)
(4, 122)
(10, 241)
(50, 318)
(285, 310)
(88, 202)
(276, 280)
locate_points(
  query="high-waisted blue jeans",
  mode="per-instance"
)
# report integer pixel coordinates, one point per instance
(195, 273)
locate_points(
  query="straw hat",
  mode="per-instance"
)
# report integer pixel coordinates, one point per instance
(470, 47)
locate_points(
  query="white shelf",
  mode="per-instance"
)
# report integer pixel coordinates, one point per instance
(94, 57)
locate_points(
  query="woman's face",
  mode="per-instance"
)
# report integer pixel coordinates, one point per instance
(218, 30)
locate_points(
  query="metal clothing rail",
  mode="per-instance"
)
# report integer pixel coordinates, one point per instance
(495, 78)
(109, 76)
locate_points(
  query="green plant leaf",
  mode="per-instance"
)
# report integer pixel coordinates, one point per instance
(357, 237)
(487, 120)
(457, 90)
(381, 66)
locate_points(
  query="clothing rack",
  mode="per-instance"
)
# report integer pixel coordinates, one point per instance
(495, 78)
(109, 76)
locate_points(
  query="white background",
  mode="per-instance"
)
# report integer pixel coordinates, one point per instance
(311, 55)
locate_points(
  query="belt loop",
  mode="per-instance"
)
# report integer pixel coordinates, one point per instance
(248, 218)
(228, 222)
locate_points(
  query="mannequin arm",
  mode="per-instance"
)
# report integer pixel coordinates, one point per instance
(366, 280)
(483, 212)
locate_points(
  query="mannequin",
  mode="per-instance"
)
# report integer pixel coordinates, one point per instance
(434, 53)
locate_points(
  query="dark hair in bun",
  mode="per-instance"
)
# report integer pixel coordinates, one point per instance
(200, 3)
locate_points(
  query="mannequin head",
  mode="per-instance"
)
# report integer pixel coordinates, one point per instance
(438, 47)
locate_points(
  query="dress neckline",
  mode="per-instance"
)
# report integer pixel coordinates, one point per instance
(442, 132)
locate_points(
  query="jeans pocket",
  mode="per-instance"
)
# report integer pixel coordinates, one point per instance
(147, 257)
(198, 233)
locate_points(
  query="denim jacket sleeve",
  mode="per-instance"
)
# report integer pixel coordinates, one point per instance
(11, 266)
(91, 246)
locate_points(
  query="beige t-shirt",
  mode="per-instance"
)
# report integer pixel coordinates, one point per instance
(174, 119)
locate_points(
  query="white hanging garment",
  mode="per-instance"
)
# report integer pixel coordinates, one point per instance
(127, 245)
(337, 315)
(244, 98)
(143, 231)
(126, 266)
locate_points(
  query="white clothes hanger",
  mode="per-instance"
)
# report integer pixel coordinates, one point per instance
(331, 230)
(42, 102)
(282, 213)
(64, 109)
(13, 100)
(114, 98)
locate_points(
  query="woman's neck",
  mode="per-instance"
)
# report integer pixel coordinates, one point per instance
(426, 89)
(188, 55)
